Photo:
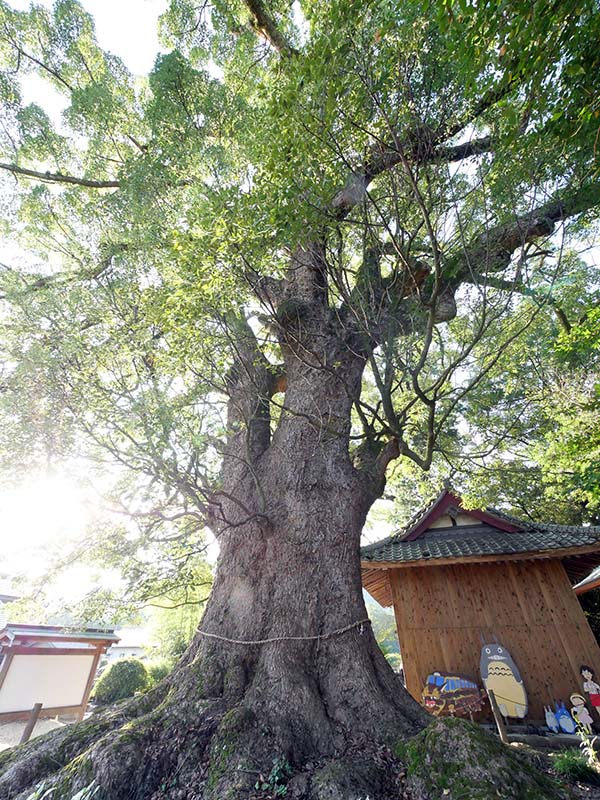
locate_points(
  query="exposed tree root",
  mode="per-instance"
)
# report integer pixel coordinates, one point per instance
(158, 748)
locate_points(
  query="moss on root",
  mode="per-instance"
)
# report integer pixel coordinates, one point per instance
(62, 746)
(62, 758)
(78, 772)
(229, 771)
(456, 760)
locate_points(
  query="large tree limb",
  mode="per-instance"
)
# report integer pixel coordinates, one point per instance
(420, 145)
(264, 24)
(374, 307)
(420, 149)
(250, 385)
(492, 250)
(59, 177)
(446, 154)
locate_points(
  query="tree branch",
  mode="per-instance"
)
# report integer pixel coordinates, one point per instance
(41, 64)
(374, 306)
(420, 145)
(59, 177)
(417, 148)
(526, 291)
(449, 153)
(264, 24)
(492, 250)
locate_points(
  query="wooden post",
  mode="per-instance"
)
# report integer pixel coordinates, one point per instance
(498, 717)
(33, 718)
(6, 661)
(90, 683)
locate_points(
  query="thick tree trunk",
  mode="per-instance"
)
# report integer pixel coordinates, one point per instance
(229, 710)
(289, 579)
(297, 575)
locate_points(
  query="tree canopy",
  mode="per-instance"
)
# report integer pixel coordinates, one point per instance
(445, 158)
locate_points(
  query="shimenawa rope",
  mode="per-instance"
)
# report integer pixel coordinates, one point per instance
(313, 638)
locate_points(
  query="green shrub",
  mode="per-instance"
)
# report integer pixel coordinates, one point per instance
(121, 679)
(572, 764)
(157, 670)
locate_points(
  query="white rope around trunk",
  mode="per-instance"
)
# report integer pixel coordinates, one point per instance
(314, 638)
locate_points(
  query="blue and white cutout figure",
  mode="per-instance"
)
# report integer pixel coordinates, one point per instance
(551, 720)
(565, 720)
(500, 674)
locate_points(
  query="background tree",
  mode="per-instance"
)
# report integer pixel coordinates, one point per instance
(279, 264)
(383, 623)
(542, 402)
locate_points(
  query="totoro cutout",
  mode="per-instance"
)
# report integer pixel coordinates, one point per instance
(500, 674)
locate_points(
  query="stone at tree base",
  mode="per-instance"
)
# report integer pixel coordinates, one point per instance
(455, 760)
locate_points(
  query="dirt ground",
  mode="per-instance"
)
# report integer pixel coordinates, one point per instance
(10, 732)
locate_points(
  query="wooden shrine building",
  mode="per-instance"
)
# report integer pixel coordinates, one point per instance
(459, 578)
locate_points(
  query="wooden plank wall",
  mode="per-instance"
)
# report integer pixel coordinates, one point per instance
(442, 613)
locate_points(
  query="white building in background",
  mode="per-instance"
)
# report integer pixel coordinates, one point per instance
(134, 643)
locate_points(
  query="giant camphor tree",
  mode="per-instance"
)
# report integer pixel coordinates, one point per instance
(261, 276)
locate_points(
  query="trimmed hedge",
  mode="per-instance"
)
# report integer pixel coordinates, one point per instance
(119, 680)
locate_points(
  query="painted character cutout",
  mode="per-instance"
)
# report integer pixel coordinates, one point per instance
(500, 674)
(450, 694)
(565, 720)
(591, 687)
(551, 720)
(580, 713)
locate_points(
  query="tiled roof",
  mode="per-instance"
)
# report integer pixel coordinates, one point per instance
(483, 539)
(17, 631)
(544, 526)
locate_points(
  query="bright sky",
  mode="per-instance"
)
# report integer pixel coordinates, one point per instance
(37, 517)
(46, 512)
(126, 28)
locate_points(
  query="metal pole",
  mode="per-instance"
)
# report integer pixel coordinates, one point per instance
(33, 718)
